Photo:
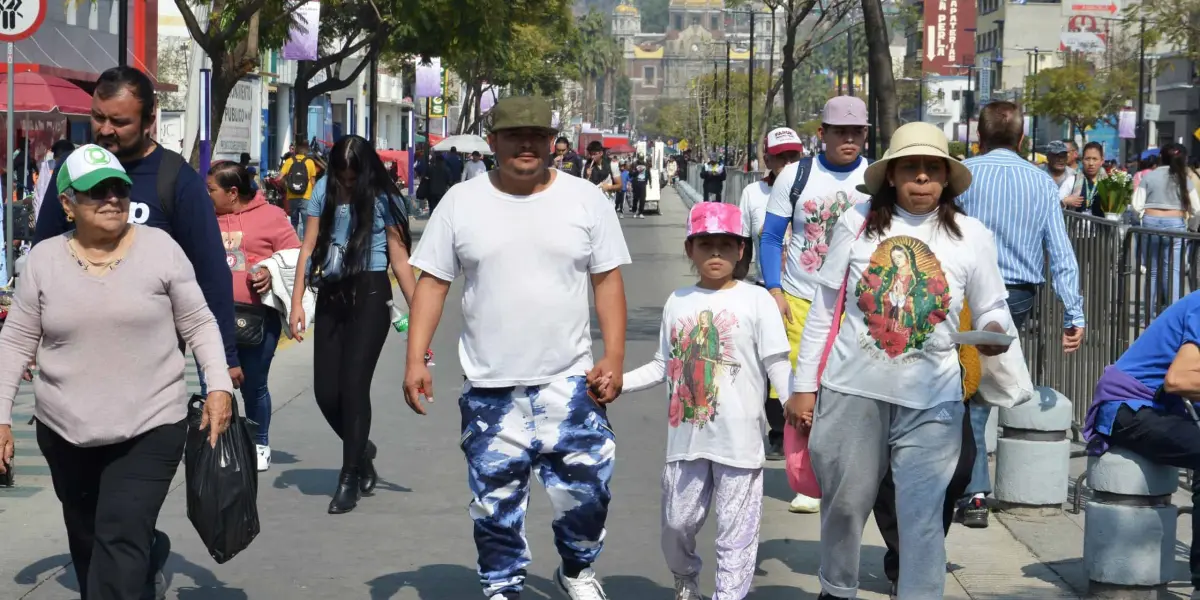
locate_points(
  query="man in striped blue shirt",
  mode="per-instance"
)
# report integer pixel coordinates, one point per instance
(1020, 204)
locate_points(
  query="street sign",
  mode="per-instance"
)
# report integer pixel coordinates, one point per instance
(19, 19)
(1095, 8)
(949, 36)
(1151, 111)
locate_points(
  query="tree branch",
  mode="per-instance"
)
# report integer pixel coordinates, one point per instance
(336, 83)
(201, 36)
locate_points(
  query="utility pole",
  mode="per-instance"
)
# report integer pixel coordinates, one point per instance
(373, 101)
(1033, 138)
(122, 8)
(725, 133)
(750, 101)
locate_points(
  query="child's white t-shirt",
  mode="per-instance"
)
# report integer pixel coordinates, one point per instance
(713, 345)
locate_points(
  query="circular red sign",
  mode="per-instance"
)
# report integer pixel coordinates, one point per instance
(9, 17)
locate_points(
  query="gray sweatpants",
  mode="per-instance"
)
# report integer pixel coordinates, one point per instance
(853, 441)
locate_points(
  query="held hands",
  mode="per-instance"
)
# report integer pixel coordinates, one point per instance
(993, 350)
(218, 412)
(798, 410)
(605, 380)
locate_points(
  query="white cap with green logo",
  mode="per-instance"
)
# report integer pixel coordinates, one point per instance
(87, 166)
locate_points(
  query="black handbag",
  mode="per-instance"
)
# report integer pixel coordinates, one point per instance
(249, 321)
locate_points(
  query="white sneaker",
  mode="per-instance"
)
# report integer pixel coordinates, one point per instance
(584, 587)
(804, 505)
(686, 588)
(264, 457)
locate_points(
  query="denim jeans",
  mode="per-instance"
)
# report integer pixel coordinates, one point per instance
(1020, 304)
(298, 209)
(256, 366)
(1160, 260)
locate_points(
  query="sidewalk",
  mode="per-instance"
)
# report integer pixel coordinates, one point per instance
(412, 539)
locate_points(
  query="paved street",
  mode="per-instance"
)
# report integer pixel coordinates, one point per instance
(412, 539)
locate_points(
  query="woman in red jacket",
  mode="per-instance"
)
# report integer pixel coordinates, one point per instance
(253, 230)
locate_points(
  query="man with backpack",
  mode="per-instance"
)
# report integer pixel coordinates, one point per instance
(299, 175)
(168, 194)
(809, 195)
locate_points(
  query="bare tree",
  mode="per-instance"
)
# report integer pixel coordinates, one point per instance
(821, 18)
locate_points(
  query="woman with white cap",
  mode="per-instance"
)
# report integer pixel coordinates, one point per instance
(901, 267)
(100, 306)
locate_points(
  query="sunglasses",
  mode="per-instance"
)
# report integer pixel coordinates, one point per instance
(102, 191)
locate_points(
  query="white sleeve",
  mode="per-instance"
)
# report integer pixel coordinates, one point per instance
(812, 343)
(986, 295)
(435, 253)
(1068, 186)
(645, 376)
(779, 373)
(608, 249)
(1193, 200)
(1138, 203)
(780, 203)
(747, 216)
(772, 335)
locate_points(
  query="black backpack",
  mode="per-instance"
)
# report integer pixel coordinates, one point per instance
(297, 176)
(168, 174)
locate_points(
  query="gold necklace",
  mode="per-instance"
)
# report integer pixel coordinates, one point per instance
(87, 263)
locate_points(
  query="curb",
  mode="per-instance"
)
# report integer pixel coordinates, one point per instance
(686, 193)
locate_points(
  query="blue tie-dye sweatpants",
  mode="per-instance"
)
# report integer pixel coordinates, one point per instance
(556, 432)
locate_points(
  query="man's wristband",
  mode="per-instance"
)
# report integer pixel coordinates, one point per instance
(775, 291)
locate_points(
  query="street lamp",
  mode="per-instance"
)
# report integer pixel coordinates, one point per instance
(750, 90)
(1036, 54)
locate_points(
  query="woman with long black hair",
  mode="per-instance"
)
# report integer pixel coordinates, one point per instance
(356, 228)
(1165, 198)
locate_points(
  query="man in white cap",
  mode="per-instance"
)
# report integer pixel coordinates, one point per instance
(809, 196)
(781, 147)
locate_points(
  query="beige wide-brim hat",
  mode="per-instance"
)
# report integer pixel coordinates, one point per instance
(917, 139)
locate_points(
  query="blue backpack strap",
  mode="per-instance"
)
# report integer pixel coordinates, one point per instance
(803, 170)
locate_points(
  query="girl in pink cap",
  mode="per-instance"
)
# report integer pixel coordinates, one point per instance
(720, 342)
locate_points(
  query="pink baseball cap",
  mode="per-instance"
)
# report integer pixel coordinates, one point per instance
(845, 110)
(783, 139)
(714, 218)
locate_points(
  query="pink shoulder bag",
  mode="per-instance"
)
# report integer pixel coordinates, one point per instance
(801, 477)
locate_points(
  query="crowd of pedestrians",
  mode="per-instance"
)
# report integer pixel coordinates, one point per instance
(840, 329)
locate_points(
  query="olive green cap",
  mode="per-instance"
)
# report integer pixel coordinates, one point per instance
(516, 112)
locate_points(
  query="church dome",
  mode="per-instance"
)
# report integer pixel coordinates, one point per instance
(625, 8)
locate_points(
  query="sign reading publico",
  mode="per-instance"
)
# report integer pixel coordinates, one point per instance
(1087, 42)
(20, 19)
(949, 36)
(1095, 8)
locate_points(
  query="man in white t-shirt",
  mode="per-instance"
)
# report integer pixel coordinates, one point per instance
(528, 240)
(782, 147)
(811, 208)
(475, 167)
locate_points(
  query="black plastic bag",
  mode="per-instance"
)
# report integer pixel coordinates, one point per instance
(222, 484)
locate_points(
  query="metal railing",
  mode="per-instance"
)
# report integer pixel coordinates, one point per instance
(735, 182)
(1128, 276)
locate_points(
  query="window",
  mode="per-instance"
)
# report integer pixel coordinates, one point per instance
(72, 10)
(113, 15)
(956, 95)
(716, 23)
(94, 15)
(678, 21)
(648, 77)
(695, 20)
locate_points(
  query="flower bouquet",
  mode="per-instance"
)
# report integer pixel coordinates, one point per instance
(1114, 193)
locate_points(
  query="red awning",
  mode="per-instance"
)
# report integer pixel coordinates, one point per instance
(40, 93)
(622, 149)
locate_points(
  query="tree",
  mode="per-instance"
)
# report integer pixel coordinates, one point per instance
(883, 79)
(598, 58)
(655, 15)
(348, 28)
(1175, 23)
(232, 38)
(796, 49)
(1080, 94)
(523, 44)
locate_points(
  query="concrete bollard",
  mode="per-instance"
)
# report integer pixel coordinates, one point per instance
(1033, 454)
(1129, 527)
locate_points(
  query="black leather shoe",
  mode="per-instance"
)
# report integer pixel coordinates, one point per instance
(368, 477)
(345, 499)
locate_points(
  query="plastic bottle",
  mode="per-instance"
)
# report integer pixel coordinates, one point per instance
(399, 319)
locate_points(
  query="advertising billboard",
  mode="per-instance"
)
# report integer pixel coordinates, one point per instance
(949, 36)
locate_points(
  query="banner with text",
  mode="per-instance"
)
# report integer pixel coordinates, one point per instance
(949, 36)
(302, 39)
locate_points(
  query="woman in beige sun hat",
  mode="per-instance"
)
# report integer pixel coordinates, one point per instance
(891, 390)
